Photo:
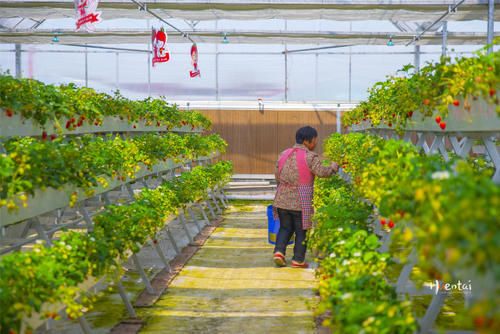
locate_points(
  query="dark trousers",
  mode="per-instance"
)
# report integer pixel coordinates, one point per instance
(291, 222)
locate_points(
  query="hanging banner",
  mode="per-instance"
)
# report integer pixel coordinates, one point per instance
(194, 58)
(160, 51)
(86, 14)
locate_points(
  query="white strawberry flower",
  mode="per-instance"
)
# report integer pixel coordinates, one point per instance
(440, 175)
(346, 295)
(357, 254)
(332, 255)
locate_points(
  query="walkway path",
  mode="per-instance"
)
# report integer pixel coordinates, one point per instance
(231, 285)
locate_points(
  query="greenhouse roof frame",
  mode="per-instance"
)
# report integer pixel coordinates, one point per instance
(400, 12)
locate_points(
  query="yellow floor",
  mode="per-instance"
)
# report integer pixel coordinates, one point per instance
(231, 285)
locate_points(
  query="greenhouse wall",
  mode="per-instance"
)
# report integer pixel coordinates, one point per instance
(255, 138)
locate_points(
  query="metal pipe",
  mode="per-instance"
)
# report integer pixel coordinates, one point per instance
(144, 7)
(86, 69)
(445, 36)
(417, 57)
(18, 60)
(451, 9)
(491, 21)
(286, 75)
(105, 47)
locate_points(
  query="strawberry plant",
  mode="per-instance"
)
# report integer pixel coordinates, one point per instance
(70, 106)
(45, 276)
(84, 161)
(447, 210)
(437, 86)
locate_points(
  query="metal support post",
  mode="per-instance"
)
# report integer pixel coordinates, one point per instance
(219, 211)
(286, 75)
(417, 57)
(130, 191)
(432, 312)
(172, 240)
(106, 198)
(162, 256)
(339, 117)
(209, 206)
(491, 22)
(445, 37)
(491, 148)
(184, 226)
(191, 213)
(406, 271)
(41, 232)
(85, 214)
(84, 325)
(125, 299)
(203, 212)
(18, 61)
(86, 69)
(144, 277)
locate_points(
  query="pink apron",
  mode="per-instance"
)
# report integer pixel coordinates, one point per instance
(305, 186)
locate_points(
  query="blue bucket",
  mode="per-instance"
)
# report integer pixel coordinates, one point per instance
(273, 226)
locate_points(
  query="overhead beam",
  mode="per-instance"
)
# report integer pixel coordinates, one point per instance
(413, 10)
(260, 37)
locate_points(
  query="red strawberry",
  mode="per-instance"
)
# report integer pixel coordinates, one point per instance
(52, 137)
(427, 101)
(390, 124)
(479, 321)
(438, 119)
(121, 117)
(135, 127)
(67, 124)
(324, 277)
(456, 103)
(382, 221)
(83, 117)
(183, 123)
(44, 135)
(410, 113)
(72, 120)
(364, 111)
(96, 123)
(164, 159)
(490, 68)
(364, 119)
(155, 241)
(390, 224)
(492, 92)
(9, 112)
(157, 123)
(442, 125)
(393, 115)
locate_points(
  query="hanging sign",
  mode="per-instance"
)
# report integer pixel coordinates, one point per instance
(194, 58)
(160, 51)
(86, 14)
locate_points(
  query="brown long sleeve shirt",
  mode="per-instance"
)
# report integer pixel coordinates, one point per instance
(288, 197)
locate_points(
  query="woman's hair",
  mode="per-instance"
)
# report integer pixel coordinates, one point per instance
(305, 133)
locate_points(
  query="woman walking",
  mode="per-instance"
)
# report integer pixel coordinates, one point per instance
(295, 172)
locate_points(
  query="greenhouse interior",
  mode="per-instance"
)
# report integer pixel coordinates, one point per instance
(234, 166)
